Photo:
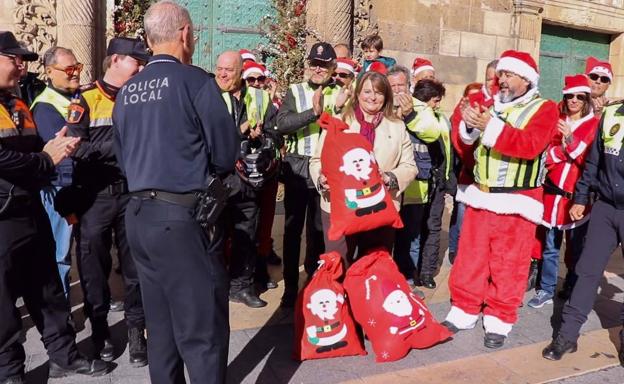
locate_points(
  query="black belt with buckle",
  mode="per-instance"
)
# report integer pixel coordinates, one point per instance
(188, 200)
(552, 189)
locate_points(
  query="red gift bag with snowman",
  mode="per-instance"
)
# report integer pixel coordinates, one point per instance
(393, 318)
(324, 326)
(359, 199)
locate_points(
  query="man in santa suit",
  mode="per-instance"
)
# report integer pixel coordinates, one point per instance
(504, 204)
(600, 76)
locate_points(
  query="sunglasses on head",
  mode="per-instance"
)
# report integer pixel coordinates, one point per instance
(70, 69)
(342, 75)
(260, 79)
(603, 79)
(580, 97)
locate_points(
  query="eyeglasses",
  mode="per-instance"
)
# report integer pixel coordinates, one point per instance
(603, 79)
(259, 79)
(342, 75)
(70, 69)
(320, 64)
(17, 60)
(579, 97)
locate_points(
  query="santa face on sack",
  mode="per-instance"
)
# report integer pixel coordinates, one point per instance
(407, 317)
(364, 199)
(329, 332)
(324, 304)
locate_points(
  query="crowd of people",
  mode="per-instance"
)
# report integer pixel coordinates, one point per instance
(179, 169)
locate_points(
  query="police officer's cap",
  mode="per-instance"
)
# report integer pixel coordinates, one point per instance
(10, 46)
(129, 47)
(322, 52)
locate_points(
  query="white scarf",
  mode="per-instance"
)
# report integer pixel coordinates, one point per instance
(500, 107)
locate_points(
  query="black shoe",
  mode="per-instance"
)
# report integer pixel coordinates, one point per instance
(17, 379)
(116, 306)
(565, 293)
(273, 259)
(80, 366)
(271, 284)
(137, 347)
(557, 348)
(621, 354)
(452, 256)
(104, 347)
(450, 326)
(427, 281)
(288, 299)
(248, 298)
(493, 340)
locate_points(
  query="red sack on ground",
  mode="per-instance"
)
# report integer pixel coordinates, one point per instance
(359, 199)
(393, 318)
(323, 323)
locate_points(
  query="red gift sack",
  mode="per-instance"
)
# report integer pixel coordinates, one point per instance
(323, 323)
(393, 318)
(359, 199)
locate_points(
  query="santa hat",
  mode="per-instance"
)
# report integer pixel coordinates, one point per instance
(247, 55)
(346, 64)
(250, 67)
(594, 65)
(420, 65)
(378, 66)
(576, 84)
(520, 63)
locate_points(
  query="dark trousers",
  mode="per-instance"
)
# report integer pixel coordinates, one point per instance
(362, 242)
(431, 243)
(184, 285)
(408, 238)
(605, 232)
(301, 205)
(94, 237)
(242, 217)
(28, 269)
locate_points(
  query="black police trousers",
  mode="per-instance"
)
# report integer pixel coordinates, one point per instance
(94, 238)
(301, 205)
(242, 221)
(605, 232)
(431, 234)
(185, 291)
(28, 269)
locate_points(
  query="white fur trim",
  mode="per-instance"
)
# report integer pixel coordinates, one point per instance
(461, 319)
(603, 70)
(577, 123)
(582, 88)
(346, 67)
(492, 131)
(493, 324)
(415, 71)
(248, 56)
(579, 150)
(468, 138)
(518, 67)
(501, 107)
(554, 157)
(503, 203)
(252, 70)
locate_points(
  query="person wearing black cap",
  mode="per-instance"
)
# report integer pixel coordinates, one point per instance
(27, 262)
(296, 118)
(171, 146)
(29, 86)
(105, 195)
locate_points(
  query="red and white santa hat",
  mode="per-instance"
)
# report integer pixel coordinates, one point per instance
(346, 64)
(247, 55)
(520, 63)
(377, 66)
(250, 67)
(420, 65)
(576, 84)
(594, 65)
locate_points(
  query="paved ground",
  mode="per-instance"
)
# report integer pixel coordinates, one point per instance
(261, 341)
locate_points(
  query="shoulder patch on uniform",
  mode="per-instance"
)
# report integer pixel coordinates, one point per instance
(75, 113)
(87, 87)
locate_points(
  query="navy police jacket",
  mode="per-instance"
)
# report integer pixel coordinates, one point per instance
(172, 128)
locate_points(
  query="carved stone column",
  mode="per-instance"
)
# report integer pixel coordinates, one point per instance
(332, 20)
(362, 24)
(35, 25)
(77, 30)
(527, 26)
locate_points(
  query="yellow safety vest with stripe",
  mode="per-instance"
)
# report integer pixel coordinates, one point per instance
(612, 129)
(52, 97)
(494, 169)
(305, 140)
(256, 104)
(100, 106)
(18, 124)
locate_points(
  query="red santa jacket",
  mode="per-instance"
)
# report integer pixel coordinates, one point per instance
(565, 164)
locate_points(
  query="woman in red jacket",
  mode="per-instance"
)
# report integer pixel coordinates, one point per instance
(565, 162)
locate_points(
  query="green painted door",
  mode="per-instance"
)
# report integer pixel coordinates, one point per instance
(222, 25)
(563, 52)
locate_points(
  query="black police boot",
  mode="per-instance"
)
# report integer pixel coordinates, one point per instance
(271, 284)
(116, 306)
(558, 347)
(248, 297)
(452, 256)
(17, 379)
(289, 299)
(80, 366)
(621, 354)
(137, 347)
(102, 343)
(493, 340)
(427, 281)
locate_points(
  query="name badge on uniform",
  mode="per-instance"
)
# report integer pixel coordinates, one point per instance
(75, 113)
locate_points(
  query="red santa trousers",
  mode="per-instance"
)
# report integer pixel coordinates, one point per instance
(497, 247)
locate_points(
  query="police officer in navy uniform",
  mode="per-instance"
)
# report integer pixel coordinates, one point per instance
(105, 192)
(172, 133)
(27, 252)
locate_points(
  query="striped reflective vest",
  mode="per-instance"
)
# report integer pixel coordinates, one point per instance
(494, 169)
(304, 140)
(612, 129)
(100, 106)
(15, 123)
(256, 104)
(52, 97)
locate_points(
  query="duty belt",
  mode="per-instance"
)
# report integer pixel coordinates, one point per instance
(486, 189)
(552, 189)
(188, 200)
(116, 189)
